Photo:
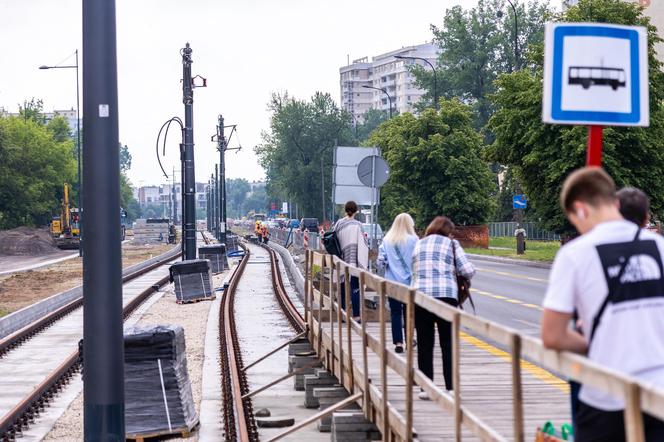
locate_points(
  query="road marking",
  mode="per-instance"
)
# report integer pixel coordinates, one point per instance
(528, 323)
(538, 372)
(506, 299)
(536, 307)
(512, 275)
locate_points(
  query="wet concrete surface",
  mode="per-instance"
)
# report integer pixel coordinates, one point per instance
(262, 327)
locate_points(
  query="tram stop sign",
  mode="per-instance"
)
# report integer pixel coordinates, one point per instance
(370, 165)
(595, 74)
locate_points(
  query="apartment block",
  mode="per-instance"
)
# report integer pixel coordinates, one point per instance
(386, 72)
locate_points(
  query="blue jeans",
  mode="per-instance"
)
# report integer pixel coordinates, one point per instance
(398, 313)
(354, 295)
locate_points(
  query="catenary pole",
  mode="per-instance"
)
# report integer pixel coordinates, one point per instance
(221, 140)
(103, 348)
(189, 184)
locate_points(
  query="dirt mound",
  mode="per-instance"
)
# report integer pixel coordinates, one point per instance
(27, 241)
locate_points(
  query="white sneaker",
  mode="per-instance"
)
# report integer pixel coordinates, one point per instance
(423, 396)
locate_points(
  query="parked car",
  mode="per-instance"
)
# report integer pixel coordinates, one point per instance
(309, 224)
(366, 229)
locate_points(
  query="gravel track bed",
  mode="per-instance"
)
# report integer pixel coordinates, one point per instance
(193, 318)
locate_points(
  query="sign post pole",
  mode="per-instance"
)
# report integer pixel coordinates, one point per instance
(594, 152)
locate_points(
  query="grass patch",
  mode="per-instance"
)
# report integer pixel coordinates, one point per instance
(506, 247)
(3, 312)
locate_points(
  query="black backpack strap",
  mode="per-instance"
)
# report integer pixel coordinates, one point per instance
(600, 312)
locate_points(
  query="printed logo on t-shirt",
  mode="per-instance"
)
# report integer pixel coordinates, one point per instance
(642, 277)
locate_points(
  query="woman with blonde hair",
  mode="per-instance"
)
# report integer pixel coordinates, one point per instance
(394, 257)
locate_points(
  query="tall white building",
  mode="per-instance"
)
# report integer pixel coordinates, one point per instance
(384, 72)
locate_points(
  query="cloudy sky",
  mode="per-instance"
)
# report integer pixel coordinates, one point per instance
(247, 49)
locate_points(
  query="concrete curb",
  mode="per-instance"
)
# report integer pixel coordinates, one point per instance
(39, 265)
(522, 262)
(289, 263)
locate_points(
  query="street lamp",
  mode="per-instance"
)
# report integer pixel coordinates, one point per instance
(78, 146)
(516, 33)
(433, 69)
(383, 91)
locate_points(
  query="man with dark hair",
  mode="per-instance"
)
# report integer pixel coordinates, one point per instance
(634, 205)
(612, 276)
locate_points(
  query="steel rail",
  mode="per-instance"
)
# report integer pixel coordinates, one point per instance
(15, 339)
(290, 311)
(24, 413)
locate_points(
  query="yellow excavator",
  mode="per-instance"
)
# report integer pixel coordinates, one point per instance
(65, 228)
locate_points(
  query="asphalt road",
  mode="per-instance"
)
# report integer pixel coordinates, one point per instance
(509, 294)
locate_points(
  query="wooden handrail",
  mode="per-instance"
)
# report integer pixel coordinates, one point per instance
(638, 397)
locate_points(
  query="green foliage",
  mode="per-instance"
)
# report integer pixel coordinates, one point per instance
(371, 119)
(59, 127)
(237, 190)
(302, 134)
(33, 168)
(257, 201)
(542, 155)
(435, 166)
(32, 110)
(125, 158)
(506, 247)
(476, 45)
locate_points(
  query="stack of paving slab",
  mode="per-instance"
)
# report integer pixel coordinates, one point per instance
(151, 231)
(193, 280)
(216, 254)
(158, 396)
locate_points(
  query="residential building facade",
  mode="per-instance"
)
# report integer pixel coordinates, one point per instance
(385, 72)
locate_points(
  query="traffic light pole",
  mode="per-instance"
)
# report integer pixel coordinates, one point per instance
(189, 184)
(103, 346)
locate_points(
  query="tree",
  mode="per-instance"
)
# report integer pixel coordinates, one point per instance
(542, 155)
(60, 129)
(476, 45)
(32, 110)
(33, 168)
(372, 118)
(125, 158)
(237, 190)
(127, 200)
(257, 201)
(435, 166)
(302, 134)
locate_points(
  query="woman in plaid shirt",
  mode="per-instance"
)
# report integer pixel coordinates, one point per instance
(434, 275)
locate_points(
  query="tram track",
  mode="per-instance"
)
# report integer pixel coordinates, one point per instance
(239, 421)
(25, 411)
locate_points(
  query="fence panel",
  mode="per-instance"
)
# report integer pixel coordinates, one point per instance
(533, 231)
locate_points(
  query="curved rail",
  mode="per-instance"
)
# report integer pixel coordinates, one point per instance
(15, 339)
(290, 311)
(25, 411)
(239, 422)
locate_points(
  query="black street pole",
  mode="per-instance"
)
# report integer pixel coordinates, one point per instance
(216, 202)
(389, 98)
(189, 184)
(221, 140)
(103, 346)
(433, 70)
(175, 200)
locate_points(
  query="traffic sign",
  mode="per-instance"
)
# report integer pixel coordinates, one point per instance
(519, 202)
(595, 74)
(366, 169)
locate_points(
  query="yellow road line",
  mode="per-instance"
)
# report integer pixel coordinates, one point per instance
(512, 275)
(514, 301)
(506, 299)
(538, 372)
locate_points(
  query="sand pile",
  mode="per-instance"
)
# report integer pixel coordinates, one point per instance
(27, 241)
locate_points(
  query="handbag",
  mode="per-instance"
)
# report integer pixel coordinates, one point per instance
(331, 243)
(463, 283)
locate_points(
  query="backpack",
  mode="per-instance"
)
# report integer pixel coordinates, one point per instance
(463, 283)
(331, 243)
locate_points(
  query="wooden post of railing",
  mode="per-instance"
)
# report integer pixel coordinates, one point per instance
(365, 357)
(320, 308)
(349, 334)
(338, 296)
(517, 392)
(410, 332)
(330, 292)
(456, 374)
(633, 417)
(383, 361)
(309, 294)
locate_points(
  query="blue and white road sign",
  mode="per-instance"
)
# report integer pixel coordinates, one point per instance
(519, 202)
(595, 74)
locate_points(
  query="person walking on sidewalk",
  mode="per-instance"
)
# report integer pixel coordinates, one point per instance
(354, 251)
(634, 205)
(395, 258)
(612, 276)
(434, 274)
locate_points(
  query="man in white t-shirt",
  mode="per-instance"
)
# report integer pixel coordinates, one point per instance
(613, 277)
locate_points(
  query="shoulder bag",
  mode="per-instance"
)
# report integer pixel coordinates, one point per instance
(463, 283)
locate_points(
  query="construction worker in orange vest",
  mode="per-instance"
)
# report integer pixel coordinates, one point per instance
(265, 233)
